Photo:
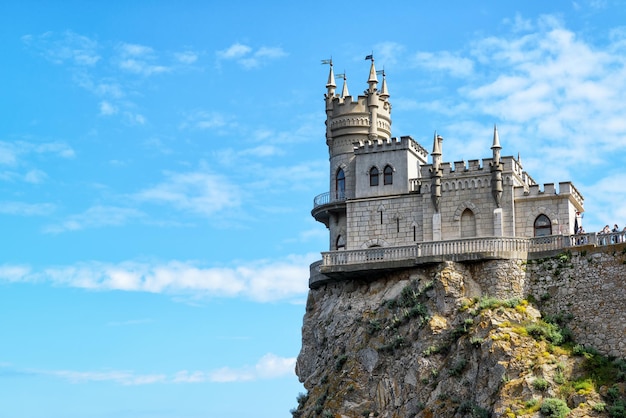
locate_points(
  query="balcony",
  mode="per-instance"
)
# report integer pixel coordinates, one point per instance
(338, 265)
(326, 203)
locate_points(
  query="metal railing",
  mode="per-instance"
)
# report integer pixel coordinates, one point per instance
(328, 197)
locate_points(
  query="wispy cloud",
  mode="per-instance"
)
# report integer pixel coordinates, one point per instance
(194, 192)
(69, 47)
(95, 217)
(11, 152)
(126, 63)
(139, 59)
(270, 366)
(186, 57)
(106, 108)
(249, 58)
(26, 209)
(203, 119)
(260, 280)
(454, 65)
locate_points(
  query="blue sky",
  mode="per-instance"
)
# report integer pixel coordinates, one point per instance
(158, 163)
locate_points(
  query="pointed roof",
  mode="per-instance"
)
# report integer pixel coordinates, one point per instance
(384, 92)
(331, 78)
(344, 91)
(496, 138)
(436, 145)
(373, 78)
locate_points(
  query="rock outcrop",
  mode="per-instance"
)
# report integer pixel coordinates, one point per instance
(434, 342)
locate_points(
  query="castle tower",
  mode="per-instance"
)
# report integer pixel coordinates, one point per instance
(351, 122)
(348, 121)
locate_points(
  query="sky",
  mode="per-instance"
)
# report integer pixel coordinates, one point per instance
(159, 160)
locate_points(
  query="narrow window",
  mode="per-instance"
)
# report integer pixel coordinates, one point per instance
(340, 183)
(373, 176)
(388, 174)
(341, 243)
(381, 217)
(414, 233)
(543, 226)
(398, 225)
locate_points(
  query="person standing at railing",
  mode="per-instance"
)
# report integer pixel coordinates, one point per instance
(605, 231)
(615, 238)
(581, 240)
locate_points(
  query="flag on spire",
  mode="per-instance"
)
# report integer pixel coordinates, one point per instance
(370, 57)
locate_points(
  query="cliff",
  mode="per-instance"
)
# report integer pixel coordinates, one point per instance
(430, 342)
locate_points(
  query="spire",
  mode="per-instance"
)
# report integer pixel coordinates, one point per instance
(436, 144)
(344, 91)
(496, 145)
(330, 85)
(496, 169)
(384, 93)
(373, 80)
(519, 158)
(496, 138)
(436, 154)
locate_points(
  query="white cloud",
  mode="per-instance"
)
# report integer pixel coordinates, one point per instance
(14, 273)
(247, 57)
(14, 154)
(456, 66)
(135, 50)
(235, 51)
(261, 280)
(195, 192)
(270, 366)
(139, 59)
(68, 47)
(106, 108)
(388, 53)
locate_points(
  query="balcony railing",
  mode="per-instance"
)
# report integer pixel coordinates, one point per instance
(328, 197)
(486, 247)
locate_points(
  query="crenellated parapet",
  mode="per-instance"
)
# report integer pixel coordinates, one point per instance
(535, 191)
(367, 146)
(346, 114)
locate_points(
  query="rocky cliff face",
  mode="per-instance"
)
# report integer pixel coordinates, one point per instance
(428, 342)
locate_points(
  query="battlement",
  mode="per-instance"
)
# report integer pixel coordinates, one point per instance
(565, 189)
(390, 144)
(347, 116)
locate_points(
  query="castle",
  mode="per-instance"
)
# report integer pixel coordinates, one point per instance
(385, 194)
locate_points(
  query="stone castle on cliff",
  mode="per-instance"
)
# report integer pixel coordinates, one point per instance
(384, 194)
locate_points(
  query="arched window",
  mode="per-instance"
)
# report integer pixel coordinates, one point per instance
(543, 226)
(340, 183)
(373, 176)
(388, 173)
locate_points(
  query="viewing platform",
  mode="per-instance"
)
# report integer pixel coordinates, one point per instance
(345, 264)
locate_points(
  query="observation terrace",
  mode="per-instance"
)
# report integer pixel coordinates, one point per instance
(345, 264)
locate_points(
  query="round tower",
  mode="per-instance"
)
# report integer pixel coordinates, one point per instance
(351, 122)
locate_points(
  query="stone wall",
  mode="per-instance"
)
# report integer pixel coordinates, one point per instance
(589, 286)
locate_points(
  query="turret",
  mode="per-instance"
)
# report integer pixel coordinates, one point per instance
(435, 172)
(496, 169)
